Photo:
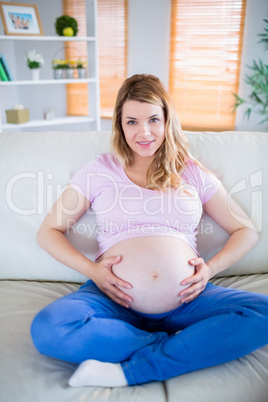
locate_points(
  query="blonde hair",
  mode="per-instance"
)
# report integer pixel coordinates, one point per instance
(171, 158)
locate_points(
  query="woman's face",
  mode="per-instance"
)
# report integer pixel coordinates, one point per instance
(144, 128)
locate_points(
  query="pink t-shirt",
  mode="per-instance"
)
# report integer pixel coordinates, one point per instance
(125, 210)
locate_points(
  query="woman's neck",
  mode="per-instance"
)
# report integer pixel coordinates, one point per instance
(141, 164)
(137, 171)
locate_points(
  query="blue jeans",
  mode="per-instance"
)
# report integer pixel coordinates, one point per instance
(220, 325)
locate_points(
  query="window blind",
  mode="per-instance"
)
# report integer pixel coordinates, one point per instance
(76, 94)
(206, 43)
(112, 37)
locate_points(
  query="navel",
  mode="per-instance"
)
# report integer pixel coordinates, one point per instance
(155, 275)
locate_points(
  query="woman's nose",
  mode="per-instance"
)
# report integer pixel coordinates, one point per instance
(145, 130)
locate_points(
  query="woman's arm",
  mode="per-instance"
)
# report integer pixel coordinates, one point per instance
(67, 210)
(225, 211)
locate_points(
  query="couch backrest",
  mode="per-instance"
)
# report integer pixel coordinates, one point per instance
(35, 167)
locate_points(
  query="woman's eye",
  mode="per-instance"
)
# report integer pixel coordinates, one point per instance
(154, 120)
(131, 122)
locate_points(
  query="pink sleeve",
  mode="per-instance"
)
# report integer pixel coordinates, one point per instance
(205, 182)
(84, 180)
(210, 185)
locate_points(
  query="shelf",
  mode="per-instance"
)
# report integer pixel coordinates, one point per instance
(54, 122)
(49, 38)
(51, 81)
(49, 87)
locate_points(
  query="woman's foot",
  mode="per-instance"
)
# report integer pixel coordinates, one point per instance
(98, 374)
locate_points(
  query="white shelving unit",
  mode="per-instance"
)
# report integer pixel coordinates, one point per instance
(52, 81)
(49, 38)
(58, 121)
(92, 81)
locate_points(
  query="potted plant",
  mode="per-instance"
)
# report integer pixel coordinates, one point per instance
(59, 66)
(258, 81)
(66, 26)
(80, 66)
(34, 61)
(70, 65)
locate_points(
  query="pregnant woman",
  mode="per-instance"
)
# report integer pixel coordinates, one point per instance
(147, 312)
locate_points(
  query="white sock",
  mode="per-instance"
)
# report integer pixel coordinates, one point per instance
(98, 374)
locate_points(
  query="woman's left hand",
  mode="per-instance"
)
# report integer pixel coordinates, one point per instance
(197, 282)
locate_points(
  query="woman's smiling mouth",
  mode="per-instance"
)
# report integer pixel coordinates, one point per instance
(145, 144)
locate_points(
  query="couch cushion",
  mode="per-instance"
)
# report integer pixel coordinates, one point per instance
(239, 159)
(243, 380)
(35, 167)
(26, 375)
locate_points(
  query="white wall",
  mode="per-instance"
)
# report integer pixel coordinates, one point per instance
(149, 37)
(256, 12)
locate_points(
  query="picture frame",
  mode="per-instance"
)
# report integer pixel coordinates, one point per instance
(20, 19)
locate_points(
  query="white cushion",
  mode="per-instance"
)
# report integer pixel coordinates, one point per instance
(35, 167)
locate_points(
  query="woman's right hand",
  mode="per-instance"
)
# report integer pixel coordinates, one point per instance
(108, 282)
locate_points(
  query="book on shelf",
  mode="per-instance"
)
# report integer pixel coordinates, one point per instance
(6, 67)
(3, 75)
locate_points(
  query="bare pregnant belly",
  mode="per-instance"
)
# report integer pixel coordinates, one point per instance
(155, 267)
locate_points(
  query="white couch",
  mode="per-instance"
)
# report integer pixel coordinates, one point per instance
(34, 168)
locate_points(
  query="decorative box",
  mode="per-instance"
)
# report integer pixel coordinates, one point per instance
(17, 116)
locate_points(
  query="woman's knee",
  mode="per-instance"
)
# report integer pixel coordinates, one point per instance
(60, 323)
(43, 331)
(254, 308)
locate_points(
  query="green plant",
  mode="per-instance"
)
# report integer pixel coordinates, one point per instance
(71, 63)
(34, 60)
(60, 64)
(258, 81)
(81, 63)
(65, 21)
